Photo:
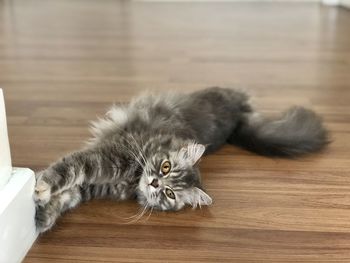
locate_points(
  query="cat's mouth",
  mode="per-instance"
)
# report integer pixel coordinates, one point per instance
(154, 189)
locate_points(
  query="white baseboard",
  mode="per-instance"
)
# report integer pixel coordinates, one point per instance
(17, 211)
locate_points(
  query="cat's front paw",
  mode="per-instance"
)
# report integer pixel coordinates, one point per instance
(44, 218)
(42, 193)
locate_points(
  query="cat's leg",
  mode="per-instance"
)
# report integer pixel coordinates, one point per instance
(89, 166)
(117, 191)
(47, 214)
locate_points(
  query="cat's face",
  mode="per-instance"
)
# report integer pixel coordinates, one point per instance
(171, 179)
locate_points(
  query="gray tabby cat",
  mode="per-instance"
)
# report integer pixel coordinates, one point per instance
(150, 148)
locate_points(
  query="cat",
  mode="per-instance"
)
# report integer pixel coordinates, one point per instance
(149, 150)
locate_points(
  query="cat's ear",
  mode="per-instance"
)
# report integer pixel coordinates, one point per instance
(197, 197)
(192, 152)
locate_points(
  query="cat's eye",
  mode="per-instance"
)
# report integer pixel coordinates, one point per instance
(165, 167)
(169, 193)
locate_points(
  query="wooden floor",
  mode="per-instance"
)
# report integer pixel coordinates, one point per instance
(62, 63)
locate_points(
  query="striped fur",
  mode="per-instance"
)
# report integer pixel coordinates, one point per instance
(124, 158)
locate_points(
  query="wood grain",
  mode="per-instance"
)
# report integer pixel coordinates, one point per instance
(62, 63)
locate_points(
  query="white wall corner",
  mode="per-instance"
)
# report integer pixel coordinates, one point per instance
(17, 213)
(17, 207)
(5, 156)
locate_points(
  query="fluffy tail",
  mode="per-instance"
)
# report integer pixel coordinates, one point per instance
(298, 131)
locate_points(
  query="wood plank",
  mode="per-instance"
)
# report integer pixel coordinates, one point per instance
(62, 63)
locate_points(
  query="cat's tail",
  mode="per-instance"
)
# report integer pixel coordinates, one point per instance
(297, 131)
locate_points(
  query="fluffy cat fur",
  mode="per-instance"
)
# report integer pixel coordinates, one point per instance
(149, 149)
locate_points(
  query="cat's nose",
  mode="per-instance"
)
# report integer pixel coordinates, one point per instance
(154, 183)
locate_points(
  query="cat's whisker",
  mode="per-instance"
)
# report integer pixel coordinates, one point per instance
(130, 150)
(133, 154)
(136, 158)
(135, 215)
(149, 215)
(139, 148)
(139, 216)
